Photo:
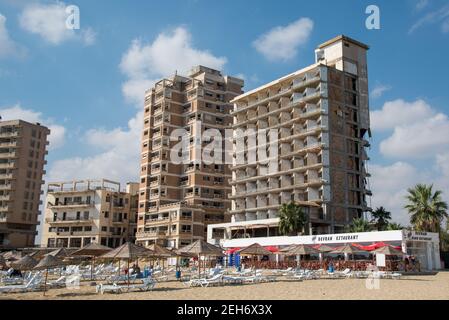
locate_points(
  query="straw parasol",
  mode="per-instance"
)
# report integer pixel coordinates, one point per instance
(300, 250)
(92, 250)
(59, 253)
(324, 248)
(12, 255)
(26, 263)
(46, 263)
(128, 251)
(201, 248)
(2, 262)
(254, 250)
(349, 249)
(389, 251)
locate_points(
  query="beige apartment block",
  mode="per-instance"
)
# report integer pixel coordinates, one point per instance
(22, 160)
(81, 212)
(178, 201)
(321, 118)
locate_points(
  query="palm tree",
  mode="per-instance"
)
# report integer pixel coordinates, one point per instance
(292, 219)
(426, 208)
(392, 226)
(380, 217)
(359, 225)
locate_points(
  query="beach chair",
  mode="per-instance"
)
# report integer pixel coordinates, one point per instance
(215, 280)
(33, 284)
(233, 279)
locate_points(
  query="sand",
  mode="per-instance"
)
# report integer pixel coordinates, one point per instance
(408, 287)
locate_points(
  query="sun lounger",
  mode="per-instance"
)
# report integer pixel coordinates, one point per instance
(33, 284)
(147, 285)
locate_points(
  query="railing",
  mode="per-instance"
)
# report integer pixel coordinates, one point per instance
(68, 219)
(71, 203)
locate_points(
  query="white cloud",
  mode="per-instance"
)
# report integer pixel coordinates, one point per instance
(389, 186)
(390, 183)
(445, 26)
(89, 36)
(440, 16)
(49, 22)
(282, 43)
(7, 46)
(118, 158)
(57, 135)
(379, 90)
(421, 4)
(417, 130)
(170, 52)
(399, 112)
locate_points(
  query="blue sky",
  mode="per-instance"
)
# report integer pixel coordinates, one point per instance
(86, 84)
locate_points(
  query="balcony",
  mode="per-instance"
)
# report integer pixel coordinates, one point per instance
(4, 209)
(7, 165)
(69, 220)
(9, 134)
(6, 155)
(69, 204)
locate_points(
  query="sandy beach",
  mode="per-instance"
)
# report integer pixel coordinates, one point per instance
(408, 287)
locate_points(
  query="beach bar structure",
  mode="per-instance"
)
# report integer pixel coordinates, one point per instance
(424, 246)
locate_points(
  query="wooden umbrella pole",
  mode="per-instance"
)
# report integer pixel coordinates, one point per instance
(45, 283)
(199, 266)
(128, 274)
(92, 269)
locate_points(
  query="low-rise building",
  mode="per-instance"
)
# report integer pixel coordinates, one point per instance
(80, 212)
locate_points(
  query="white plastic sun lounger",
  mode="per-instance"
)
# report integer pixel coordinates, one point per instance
(33, 284)
(148, 284)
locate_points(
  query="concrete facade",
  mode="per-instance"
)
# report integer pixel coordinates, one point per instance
(320, 119)
(178, 201)
(80, 212)
(22, 160)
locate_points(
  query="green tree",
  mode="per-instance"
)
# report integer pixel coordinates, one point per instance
(426, 208)
(292, 219)
(359, 225)
(394, 226)
(381, 217)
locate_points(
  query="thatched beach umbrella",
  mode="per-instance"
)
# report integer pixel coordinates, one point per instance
(3, 262)
(389, 251)
(26, 263)
(128, 251)
(254, 250)
(60, 253)
(300, 250)
(201, 248)
(348, 249)
(324, 248)
(46, 263)
(92, 250)
(12, 255)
